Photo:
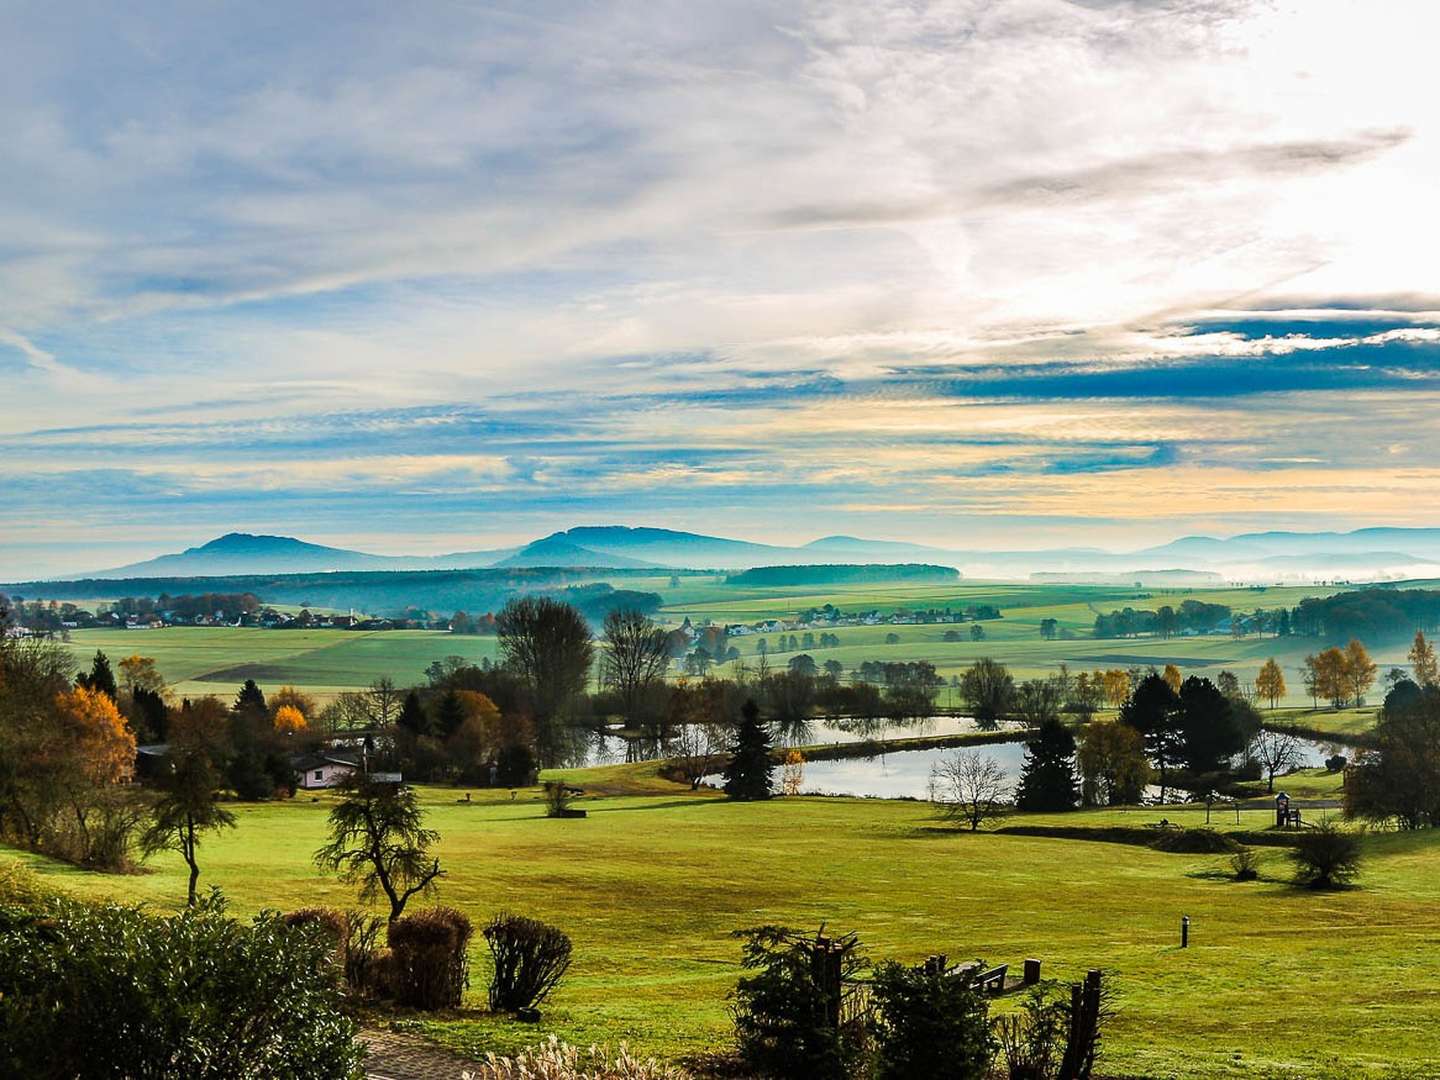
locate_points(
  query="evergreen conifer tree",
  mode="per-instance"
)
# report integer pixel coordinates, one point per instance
(1047, 777)
(748, 774)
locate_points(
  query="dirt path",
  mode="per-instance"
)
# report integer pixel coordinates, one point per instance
(394, 1056)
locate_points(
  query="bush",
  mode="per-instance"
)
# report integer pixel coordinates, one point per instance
(1336, 763)
(530, 960)
(558, 799)
(928, 1024)
(353, 935)
(105, 990)
(1326, 857)
(790, 1019)
(430, 958)
(1193, 842)
(1246, 865)
(555, 1060)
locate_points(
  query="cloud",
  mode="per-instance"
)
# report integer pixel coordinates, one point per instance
(756, 262)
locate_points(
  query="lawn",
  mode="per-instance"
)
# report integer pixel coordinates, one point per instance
(1277, 982)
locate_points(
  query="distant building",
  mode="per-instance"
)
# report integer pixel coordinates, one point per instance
(325, 769)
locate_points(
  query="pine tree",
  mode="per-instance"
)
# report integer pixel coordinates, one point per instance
(449, 715)
(250, 698)
(1047, 777)
(412, 715)
(748, 774)
(101, 677)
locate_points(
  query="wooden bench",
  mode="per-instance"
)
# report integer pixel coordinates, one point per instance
(992, 981)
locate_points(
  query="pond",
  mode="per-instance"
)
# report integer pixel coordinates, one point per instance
(589, 748)
(905, 774)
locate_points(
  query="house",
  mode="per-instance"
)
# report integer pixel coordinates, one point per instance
(325, 769)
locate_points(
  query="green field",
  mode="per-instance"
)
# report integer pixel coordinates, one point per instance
(1278, 982)
(201, 660)
(215, 660)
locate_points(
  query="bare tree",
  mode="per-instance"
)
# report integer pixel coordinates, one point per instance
(968, 786)
(636, 656)
(1277, 752)
(382, 702)
(699, 750)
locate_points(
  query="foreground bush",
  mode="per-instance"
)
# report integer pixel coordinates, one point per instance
(928, 1024)
(105, 991)
(558, 1061)
(798, 1013)
(429, 953)
(1326, 857)
(530, 960)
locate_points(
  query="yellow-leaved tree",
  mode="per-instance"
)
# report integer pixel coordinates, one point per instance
(1270, 683)
(1171, 675)
(1422, 660)
(289, 720)
(1359, 671)
(99, 738)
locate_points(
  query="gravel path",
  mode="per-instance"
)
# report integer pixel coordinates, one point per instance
(394, 1056)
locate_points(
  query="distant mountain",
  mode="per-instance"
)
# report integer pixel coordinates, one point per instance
(854, 544)
(556, 550)
(245, 553)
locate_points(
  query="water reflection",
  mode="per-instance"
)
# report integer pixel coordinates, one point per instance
(586, 747)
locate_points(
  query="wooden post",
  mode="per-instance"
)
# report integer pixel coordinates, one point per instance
(935, 965)
(1032, 973)
(1084, 1030)
(826, 965)
(1184, 931)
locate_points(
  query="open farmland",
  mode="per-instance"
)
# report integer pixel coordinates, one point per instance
(201, 660)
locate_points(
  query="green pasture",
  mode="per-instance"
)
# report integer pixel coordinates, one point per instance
(1277, 982)
(215, 660)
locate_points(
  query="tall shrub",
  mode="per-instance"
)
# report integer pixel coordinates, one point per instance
(429, 952)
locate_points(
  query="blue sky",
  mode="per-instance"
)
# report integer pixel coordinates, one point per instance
(445, 276)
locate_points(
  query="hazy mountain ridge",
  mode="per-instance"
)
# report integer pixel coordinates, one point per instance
(1377, 552)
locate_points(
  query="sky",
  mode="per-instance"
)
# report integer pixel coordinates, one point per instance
(452, 275)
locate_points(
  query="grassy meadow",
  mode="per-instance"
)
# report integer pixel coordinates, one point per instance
(1277, 982)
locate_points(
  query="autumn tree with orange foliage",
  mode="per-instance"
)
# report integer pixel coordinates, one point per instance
(289, 720)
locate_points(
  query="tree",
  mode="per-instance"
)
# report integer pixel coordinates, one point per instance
(187, 807)
(547, 643)
(1049, 628)
(1047, 777)
(413, 717)
(697, 751)
(250, 698)
(1113, 768)
(1038, 701)
(101, 678)
(1399, 779)
(1359, 671)
(968, 786)
(988, 690)
(634, 660)
(1331, 677)
(296, 699)
(1116, 685)
(381, 702)
(977, 632)
(378, 838)
(289, 720)
(1422, 660)
(1277, 752)
(140, 671)
(804, 664)
(1270, 683)
(1210, 729)
(1172, 677)
(1154, 711)
(748, 774)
